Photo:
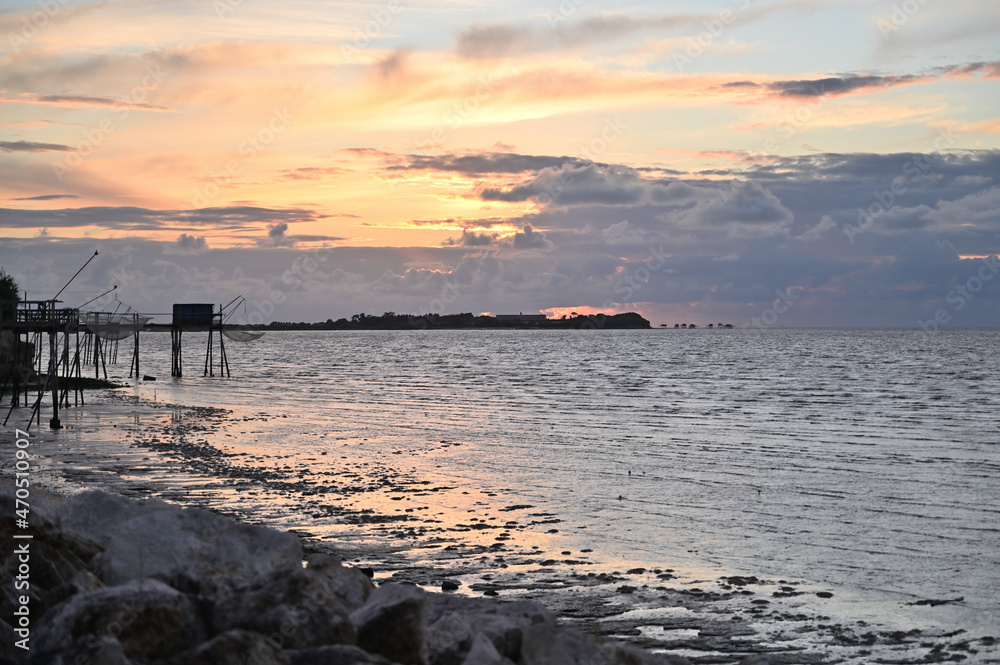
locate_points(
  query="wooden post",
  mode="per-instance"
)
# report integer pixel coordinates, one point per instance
(135, 358)
(53, 377)
(209, 367)
(176, 352)
(223, 359)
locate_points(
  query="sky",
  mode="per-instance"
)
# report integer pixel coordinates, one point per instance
(777, 163)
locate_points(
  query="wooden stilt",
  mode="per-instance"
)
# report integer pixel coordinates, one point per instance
(176, 352)
(135, 357)
(53, 377)
(209, 367)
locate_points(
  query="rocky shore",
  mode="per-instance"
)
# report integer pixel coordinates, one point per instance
(496, 566)
(113, 581)
(110, 580)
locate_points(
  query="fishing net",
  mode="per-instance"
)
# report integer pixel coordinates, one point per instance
(112, 326)
(242, 335)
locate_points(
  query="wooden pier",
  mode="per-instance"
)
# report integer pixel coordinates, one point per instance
(34, 320)
(24, 326)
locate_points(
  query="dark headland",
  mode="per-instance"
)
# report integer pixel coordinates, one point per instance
(393, 321)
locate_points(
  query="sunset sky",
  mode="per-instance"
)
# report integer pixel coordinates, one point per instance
(779, 163)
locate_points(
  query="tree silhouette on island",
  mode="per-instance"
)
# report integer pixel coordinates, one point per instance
(393, 321)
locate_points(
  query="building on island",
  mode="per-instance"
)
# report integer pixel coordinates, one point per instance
(522, 317)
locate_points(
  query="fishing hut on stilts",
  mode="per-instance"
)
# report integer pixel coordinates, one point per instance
(200, 317)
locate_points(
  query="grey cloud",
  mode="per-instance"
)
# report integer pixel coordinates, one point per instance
(570, 185)
(749, 204)
(276, 236)
(990, 69)
(477, 223)
(777, 224)
(85, 100)
(472, 239)
(146, 219)
(529, 238)
(497, 40)
(31, 146)
(478, 164)
(594, 184)
(187, 244)
(849, 83)
(47, 197)
(391, 67)
(981, 210)
(841, 85)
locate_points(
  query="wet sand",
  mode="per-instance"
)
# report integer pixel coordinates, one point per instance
(430, 530)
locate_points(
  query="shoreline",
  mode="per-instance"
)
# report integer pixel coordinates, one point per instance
(166, 451)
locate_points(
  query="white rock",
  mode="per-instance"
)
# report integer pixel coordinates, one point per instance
(149, 620)
(483, 653)
(157, 539)
(350, 585)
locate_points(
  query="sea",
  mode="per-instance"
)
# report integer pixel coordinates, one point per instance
(865, 462)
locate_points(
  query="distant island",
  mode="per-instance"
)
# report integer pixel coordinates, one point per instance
(393, 321)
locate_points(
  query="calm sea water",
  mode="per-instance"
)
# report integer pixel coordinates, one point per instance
(865, 460)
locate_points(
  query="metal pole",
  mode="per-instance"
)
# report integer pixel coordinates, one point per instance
(56, 296)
